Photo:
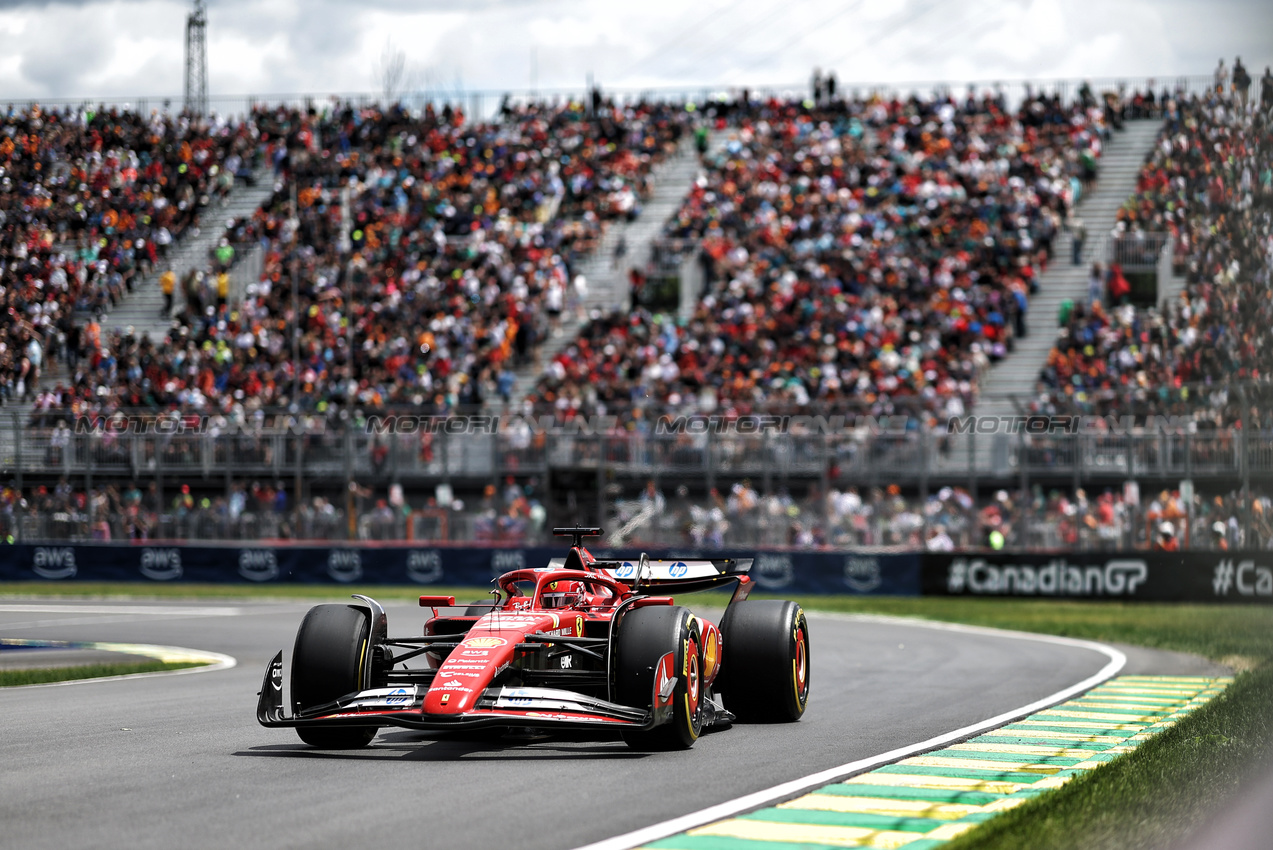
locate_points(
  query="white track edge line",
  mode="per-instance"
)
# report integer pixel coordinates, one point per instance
(214, 661)
(1117, 660)
(151, 610)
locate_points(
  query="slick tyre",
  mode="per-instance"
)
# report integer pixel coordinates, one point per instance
(327, 664)
(645, 636)
(764, 675)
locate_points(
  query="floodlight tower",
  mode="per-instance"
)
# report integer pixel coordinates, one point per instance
(197, 60)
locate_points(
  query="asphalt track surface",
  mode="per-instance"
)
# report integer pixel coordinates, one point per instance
(179, 760)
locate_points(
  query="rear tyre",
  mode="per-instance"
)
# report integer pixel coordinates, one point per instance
(326, 665)
(764, 675)
(645, 636)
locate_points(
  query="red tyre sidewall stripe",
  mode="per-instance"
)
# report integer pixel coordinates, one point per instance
(800, 665)
(693, 683)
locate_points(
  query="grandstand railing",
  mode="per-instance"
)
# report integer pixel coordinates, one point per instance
(1138, 252)
(247, 268)
(909, 457)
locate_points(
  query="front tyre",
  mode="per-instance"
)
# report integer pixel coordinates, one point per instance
(765, 661)
(644, 637)
(326, 665)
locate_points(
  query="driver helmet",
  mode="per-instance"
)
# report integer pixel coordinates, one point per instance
(1167, 530)
(562, 594)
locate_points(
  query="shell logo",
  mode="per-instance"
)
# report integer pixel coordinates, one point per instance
(483, 642)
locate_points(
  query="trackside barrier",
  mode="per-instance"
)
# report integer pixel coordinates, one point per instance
(1241, 577)
(794, 572)
(1237, 577)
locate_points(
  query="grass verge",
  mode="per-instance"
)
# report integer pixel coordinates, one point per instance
(44, 675)
(1155, 795)
(1165, 789)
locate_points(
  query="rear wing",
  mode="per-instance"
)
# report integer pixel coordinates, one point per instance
(680, 575)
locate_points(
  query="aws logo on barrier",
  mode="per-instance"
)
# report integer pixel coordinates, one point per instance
(1119, 577)
(344, 565)
(773, 570)
(507, 560)
(862, 575)
(161, 564)
(424, 566)
(258, 565)
(54, 562)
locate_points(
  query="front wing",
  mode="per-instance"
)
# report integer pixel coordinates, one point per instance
(497, 706)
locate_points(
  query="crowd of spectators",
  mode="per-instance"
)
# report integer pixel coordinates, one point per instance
(139, 512)
(90, 200)
(458, 241)
(737, 515)
(264, 510)
(873, 255)
(867, 254)
(950, 519)
(1209, 184)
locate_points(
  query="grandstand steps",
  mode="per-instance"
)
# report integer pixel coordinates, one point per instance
(1169, 290)
(141, 309)
(1009, 384)
(607, 280)
(19, 412)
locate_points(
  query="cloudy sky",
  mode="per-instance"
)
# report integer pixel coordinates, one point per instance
(122, 48)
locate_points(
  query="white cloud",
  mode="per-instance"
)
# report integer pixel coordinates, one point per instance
(108, 48)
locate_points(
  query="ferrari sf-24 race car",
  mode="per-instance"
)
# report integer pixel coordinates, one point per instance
(578, 644)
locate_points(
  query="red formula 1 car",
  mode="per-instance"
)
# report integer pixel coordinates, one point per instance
(577, 644)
